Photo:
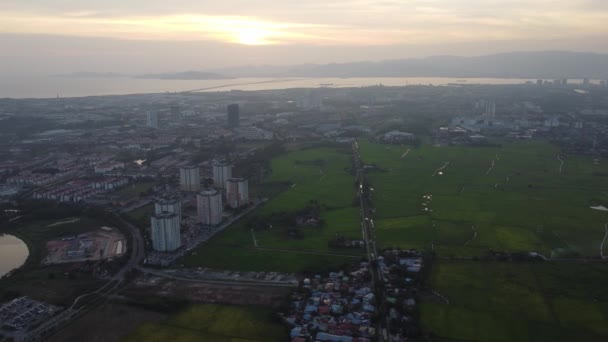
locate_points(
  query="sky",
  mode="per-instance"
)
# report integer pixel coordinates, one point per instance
(134, 36)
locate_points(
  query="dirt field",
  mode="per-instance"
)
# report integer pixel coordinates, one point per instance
(108, 323)
(210, 293)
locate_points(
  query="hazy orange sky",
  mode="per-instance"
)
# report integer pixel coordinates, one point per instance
(145, 35)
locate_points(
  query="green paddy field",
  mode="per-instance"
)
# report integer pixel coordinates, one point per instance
(514, 197)
(221, 323)
(510, 198)
(493, 301)
(518, 197)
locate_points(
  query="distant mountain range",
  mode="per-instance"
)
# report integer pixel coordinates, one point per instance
(545, 65)
(548, 64)
(89, 74)
(186, 75)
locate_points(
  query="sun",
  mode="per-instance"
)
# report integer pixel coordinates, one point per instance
(249, 36)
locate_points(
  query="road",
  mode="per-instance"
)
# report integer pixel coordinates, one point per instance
(137, 251)
(603, 241)
(369, 236)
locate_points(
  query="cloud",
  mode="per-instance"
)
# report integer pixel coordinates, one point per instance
(153, 35)
(346, 22)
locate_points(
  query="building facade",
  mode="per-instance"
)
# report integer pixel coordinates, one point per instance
(237, 192)
(165, 232)
(152, 119)
(170, 205)
(233, 115)
(190, 178)
(221, 173)
(210, 207)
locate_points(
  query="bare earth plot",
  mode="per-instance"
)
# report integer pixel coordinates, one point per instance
(101, 244)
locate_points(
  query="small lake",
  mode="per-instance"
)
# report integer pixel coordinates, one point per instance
(13, 253)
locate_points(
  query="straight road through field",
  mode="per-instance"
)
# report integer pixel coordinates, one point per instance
(367, 227)
(604, 240)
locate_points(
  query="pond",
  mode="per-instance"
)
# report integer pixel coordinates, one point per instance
(13, 253)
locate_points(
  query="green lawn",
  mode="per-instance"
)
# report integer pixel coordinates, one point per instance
(214, 323)
(518, 302)
(141, 216)
(522, 204)
(135, 189)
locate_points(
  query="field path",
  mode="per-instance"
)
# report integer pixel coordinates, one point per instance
(447, 301)
(405, 154)
(604, 240)
(63, 222)
(474, 235)
(561, 165)
(255, 241)
(307, 252)
(442, 167)
(323, 175)
(491, 167)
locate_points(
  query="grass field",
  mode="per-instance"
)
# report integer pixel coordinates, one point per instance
(135, 189)
(330, 183)
(214, 323)
(141, 216)
(518, 302)
(521, 203)
(321, 174)
(93, 325)
(56, 284)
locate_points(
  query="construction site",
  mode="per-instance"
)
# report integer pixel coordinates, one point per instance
(104, 243)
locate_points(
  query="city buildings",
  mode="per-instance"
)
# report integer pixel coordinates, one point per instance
(109, 167)
(209, 206)
(312, 100)
(190, 178)
(254, 133)
(237, 192)
(221, 173)
(23, 312)
(233, 115)
(485, 107)
(165, 232)
(168, 204)
(152, 119)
